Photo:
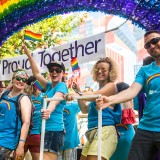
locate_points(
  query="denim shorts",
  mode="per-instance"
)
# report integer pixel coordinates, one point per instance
(4, 153)
(53, 141)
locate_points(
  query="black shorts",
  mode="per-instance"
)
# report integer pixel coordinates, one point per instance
(144, 145)
(4, 153)
(53, 141)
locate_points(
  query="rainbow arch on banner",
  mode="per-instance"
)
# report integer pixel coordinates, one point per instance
(16, 14)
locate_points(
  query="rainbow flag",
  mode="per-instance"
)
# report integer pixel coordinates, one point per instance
(66, 76)
(29, 35)
(74, 64)
(38, 85)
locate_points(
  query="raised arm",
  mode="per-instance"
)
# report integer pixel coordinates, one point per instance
(34, 67)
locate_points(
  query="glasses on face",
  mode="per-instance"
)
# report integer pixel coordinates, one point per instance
(57, 70)
(24, 80)
(152, 41)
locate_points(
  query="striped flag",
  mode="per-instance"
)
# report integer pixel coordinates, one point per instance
(29, 35)
(74, 64)
(38, 85)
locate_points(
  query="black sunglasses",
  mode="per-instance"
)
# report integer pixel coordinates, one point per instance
(24, 80)
(152, 41)
(57, 70)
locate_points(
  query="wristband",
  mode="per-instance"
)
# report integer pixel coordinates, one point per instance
(21, 140)
(80, 93)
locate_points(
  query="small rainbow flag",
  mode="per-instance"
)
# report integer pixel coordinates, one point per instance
(29, 35)
(66, 76)
(74, 64)
(38, 85)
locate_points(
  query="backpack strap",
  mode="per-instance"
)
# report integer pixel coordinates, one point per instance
(6, 92)
(18, 110)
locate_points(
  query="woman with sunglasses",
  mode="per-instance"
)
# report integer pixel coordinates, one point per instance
(54, 131)
(105, 73)
(13, 128)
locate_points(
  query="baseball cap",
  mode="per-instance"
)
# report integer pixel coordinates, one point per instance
(57, 64)
(31, 80)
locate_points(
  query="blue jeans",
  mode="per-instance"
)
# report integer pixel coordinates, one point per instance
(53, 141)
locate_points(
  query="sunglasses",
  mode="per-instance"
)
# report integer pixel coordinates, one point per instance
(57, 70)
(24, 80)
(152, 41)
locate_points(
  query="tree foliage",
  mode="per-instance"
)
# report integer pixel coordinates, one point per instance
(55, 30)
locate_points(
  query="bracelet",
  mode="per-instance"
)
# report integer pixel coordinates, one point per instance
(21, 140)
(80, 93)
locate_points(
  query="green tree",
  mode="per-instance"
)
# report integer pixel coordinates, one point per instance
(55, 30)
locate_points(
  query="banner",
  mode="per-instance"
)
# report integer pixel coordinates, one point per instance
(88, 49)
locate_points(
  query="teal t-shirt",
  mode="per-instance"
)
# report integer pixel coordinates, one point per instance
(8, 137)
(109, 116)
(55, 122)
(37, 118)
(149, 77)
(71, 139)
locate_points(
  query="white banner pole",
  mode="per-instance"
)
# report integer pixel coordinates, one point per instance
(43, 131)
(99, 133)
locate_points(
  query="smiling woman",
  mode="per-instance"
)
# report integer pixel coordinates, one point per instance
(54, 131)
(105, 73)
(10, 117)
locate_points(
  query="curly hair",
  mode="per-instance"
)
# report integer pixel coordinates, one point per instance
(113, 69)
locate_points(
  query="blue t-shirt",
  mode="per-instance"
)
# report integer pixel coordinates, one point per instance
(37, 118)
(70, 112)
(8, 137)
(149, 77)
(109, 116)
(136, 103)
(55, 122)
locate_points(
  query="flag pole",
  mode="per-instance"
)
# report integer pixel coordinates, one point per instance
(113, 29)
